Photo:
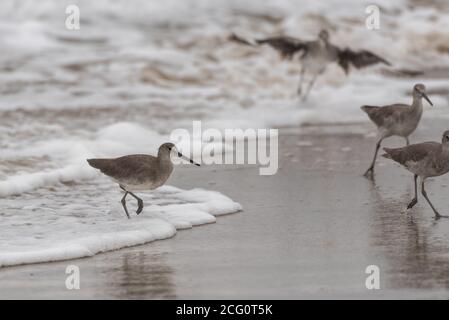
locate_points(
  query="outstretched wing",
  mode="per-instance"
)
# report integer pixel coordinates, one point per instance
(358, 59)
(240, 40)
(286, 46)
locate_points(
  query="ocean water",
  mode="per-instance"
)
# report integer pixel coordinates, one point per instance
(136, 71)
(45, 226)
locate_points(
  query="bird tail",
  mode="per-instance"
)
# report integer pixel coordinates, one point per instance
(238, 39)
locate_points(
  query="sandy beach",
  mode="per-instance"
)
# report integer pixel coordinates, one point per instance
(307, 232)
(111, 79)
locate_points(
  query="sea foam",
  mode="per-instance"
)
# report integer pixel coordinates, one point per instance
(93, 221)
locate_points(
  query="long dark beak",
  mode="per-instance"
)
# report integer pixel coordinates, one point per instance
(427, 98)
(188, 159)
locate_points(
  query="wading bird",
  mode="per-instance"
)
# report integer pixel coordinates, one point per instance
(139, 172)
(315, 56)
(424, 160)
(396, 119)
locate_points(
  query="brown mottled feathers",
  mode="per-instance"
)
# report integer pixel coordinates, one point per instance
(286, 46)
(236, 38)
(414, 152)
(358, 59)
(381, 115)
(126, 167)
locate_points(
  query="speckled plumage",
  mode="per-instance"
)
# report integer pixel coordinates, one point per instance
(396, 119)
(138, 172)
(424, 160)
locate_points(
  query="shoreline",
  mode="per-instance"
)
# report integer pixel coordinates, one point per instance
(307, 232)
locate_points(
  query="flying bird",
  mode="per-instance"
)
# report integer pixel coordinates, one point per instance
(315, 56)
(396, 119)
(139, 172)
(424, 160)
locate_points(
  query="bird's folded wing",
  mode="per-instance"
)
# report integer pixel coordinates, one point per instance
(414, 152)
(385, 116)
(124, 167)
(358, 59)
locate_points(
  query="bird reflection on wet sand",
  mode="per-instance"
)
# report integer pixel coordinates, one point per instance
(411, 243)
(142, 275)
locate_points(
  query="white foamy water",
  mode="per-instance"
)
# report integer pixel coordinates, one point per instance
(44, 226)
(135, 71)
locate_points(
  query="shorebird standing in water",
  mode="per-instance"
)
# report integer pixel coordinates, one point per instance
(424, 160)
(396, 119)
(315, 56)
(139, 171)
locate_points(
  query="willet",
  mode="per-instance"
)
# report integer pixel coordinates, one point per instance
(396, 119)
(316, 55)
(424, 160)
(139, 172)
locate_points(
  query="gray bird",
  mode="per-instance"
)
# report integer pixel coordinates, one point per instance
(424, 160)
(139, 172)
(396, 119)
(315, 55)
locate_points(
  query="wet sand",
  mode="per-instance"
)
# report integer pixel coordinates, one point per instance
(307, 232)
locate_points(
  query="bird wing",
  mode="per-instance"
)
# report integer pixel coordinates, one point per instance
(126, 167)
(383, 116)
(240, 40)
(414, 152)
(286, 46)
(358, 59)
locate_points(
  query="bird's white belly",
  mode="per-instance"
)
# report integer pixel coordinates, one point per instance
(404, 129)
(414, 167)
(423, 169)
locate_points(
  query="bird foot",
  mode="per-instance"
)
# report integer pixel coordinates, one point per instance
(412, 204)
(369, 173)
(139, 206)
(439, 216)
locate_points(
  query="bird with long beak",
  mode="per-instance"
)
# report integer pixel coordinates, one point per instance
(140, 172)
(396, 119)
(424, 160)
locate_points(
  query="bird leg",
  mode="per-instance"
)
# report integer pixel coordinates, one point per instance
(424, 193)
(139, 202)
(311, 83)
(124, 204)
(301, 79)
(407, 141)
(371, 168)
(415, 199)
